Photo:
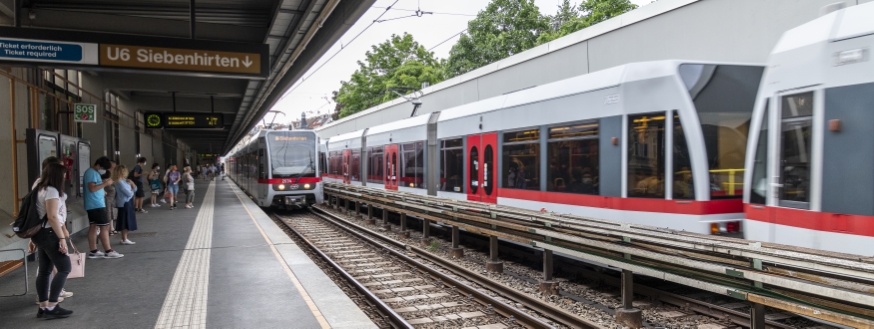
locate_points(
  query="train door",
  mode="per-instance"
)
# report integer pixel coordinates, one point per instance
(391, 167)
(347, 175)
(482, 162)
(792, 184)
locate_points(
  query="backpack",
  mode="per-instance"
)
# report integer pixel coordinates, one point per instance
(28, 223)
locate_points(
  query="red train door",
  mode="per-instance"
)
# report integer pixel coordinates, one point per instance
(347, 176)
(482, 161)
(391, 167)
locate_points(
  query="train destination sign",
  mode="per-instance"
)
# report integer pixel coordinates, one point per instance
(183, 120)
(177, 59)
(102, 51)
(48, 51)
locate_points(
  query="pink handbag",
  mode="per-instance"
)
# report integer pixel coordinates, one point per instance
(77, 263)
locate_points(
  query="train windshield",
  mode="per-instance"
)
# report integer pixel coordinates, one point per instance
(292, 155)
(724, 96)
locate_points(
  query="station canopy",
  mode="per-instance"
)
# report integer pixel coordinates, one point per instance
(236, 60)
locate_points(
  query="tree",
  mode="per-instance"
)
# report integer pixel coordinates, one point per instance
(504, 28)
(399, 62)
(570, 19)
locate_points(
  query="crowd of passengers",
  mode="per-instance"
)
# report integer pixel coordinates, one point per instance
(113, 195)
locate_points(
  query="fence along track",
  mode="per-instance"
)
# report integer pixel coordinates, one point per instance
(462, 291)
(834, 287)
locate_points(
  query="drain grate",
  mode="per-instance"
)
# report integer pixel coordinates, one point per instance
(142, 234)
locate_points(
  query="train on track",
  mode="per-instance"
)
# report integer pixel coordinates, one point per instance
(278, 168)
(779, 152)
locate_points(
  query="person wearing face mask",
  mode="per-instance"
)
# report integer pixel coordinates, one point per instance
(95, 206)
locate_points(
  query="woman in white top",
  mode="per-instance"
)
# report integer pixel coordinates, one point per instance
(32, 247)
(52, 241)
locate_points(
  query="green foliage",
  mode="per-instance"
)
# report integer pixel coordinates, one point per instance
(504, 28)
(433, 246)
(570, 19)
(399, 62)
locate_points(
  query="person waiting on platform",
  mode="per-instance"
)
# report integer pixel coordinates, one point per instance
(189, 187)
(109, 196)
(173, 179)
(136, 175)
(95, 206)
(125, 192)
(31, 245)
(155, 183)
(51, 242)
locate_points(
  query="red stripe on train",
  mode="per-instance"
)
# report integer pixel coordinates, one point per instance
(686, 207)
(812, 220)
(302, 180)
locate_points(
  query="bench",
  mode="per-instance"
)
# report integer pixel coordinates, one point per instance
(8, 266)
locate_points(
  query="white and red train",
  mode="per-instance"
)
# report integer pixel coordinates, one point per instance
(278, 168)
(781, 154)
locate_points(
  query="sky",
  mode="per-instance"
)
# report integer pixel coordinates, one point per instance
(436, 32)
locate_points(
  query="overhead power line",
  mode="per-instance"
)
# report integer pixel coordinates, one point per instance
(444, 41)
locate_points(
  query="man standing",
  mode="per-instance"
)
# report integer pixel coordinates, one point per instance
(95, 206)
(137, 177)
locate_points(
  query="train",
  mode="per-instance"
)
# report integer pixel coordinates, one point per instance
(278, 168)
(776, 152)
(811, 145)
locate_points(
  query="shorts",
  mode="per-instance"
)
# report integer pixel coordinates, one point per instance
(173, 188)
(98, 216)
(156, 192)
(140, 192)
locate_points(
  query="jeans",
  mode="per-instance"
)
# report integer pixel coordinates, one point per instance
(49, 258)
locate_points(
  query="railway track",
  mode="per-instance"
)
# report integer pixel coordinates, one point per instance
(408, 290)
(786, 280)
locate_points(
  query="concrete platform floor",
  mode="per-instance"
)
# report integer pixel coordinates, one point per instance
(223, 264)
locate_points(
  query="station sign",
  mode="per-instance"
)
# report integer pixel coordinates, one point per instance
(183, 120)
(103, 51)
(45, 51)
(177, 59)
(85, 113)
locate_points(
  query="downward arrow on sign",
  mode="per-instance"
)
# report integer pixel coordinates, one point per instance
(247, 62)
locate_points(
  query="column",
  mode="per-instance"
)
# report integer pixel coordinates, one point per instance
(627, 315)
(456, 251)
(493, 264)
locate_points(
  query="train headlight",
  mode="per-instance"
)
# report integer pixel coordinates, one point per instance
(280, 187)
(306, 186)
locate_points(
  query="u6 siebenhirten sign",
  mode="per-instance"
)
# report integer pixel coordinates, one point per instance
(85, 112)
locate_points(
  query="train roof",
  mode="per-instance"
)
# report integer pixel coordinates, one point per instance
(847, 23)
(346, 136)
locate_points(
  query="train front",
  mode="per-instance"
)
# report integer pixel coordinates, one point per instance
(293, 169)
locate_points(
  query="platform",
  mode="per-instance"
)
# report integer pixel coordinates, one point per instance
(223, 264)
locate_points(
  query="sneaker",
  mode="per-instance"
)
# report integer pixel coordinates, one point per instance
(98, 254)
(40, 311)
(163, 201)
(128, 241)
(66, 294)
(113, 254)
(143, 211)
(56, 313)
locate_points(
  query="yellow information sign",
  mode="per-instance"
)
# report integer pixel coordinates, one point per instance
(176, 59)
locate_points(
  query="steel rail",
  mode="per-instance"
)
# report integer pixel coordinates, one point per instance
(526, 319)
(581, 237)
(395, 319)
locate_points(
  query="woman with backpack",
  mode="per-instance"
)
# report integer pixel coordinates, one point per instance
(155, 183)
(51, 241)
(125, 190)
(189, 188)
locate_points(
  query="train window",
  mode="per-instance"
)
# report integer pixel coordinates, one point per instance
(521, 160)
(684, 187)
(646, 156)
(759, 188)
(474, 169)
(452, 165)
(413, 164)
(573, 159)
(724, 97)
(796, 130)
(289, 158)
(375, 165)
(335, 160)
(355, 165)
(323, 163)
